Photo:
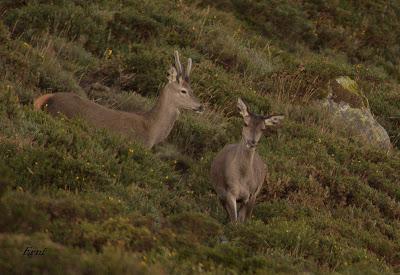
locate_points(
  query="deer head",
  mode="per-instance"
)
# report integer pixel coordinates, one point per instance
(179, 92)
(255, 125)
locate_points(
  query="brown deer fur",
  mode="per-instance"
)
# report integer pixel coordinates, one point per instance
(238, 172)
(150, 128)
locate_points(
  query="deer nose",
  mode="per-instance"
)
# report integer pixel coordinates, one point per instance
(200, 109)
(252, 143)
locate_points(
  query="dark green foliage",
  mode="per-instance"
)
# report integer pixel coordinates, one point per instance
(147, 61)
(64, 18)
(101, 204)
(199, 226)
(131, 25)
(58, 259)
(330, 25)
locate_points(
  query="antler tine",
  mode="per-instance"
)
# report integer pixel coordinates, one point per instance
(178, 63)
(188, 68)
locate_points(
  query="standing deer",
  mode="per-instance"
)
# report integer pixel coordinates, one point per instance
(238, 172)
(151, 127)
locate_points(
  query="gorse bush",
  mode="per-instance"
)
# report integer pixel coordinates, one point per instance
(101, 204)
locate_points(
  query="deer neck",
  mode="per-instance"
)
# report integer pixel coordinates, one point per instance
(245, 156)
(161, 119)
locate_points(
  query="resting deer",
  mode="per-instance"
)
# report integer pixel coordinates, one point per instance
(238, 172)
(150, 128)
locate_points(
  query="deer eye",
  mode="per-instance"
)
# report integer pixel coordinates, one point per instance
(183, 91)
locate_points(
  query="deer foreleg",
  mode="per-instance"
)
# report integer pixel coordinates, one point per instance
(231, 207)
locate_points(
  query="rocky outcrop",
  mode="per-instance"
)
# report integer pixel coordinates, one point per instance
(349, 107)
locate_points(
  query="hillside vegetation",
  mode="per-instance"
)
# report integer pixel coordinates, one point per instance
(100, 204)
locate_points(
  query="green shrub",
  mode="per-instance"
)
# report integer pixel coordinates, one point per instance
(58, 259)
(199, 226)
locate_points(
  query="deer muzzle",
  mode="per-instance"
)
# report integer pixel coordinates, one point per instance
(199, 109)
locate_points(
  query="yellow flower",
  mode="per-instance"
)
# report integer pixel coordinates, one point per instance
(108, 53)
(26, 45)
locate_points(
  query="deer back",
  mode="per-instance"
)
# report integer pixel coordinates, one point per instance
(73, 106)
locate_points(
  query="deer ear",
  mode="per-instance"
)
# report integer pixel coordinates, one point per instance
(243, 108)
(273, 120)
(172, 74)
